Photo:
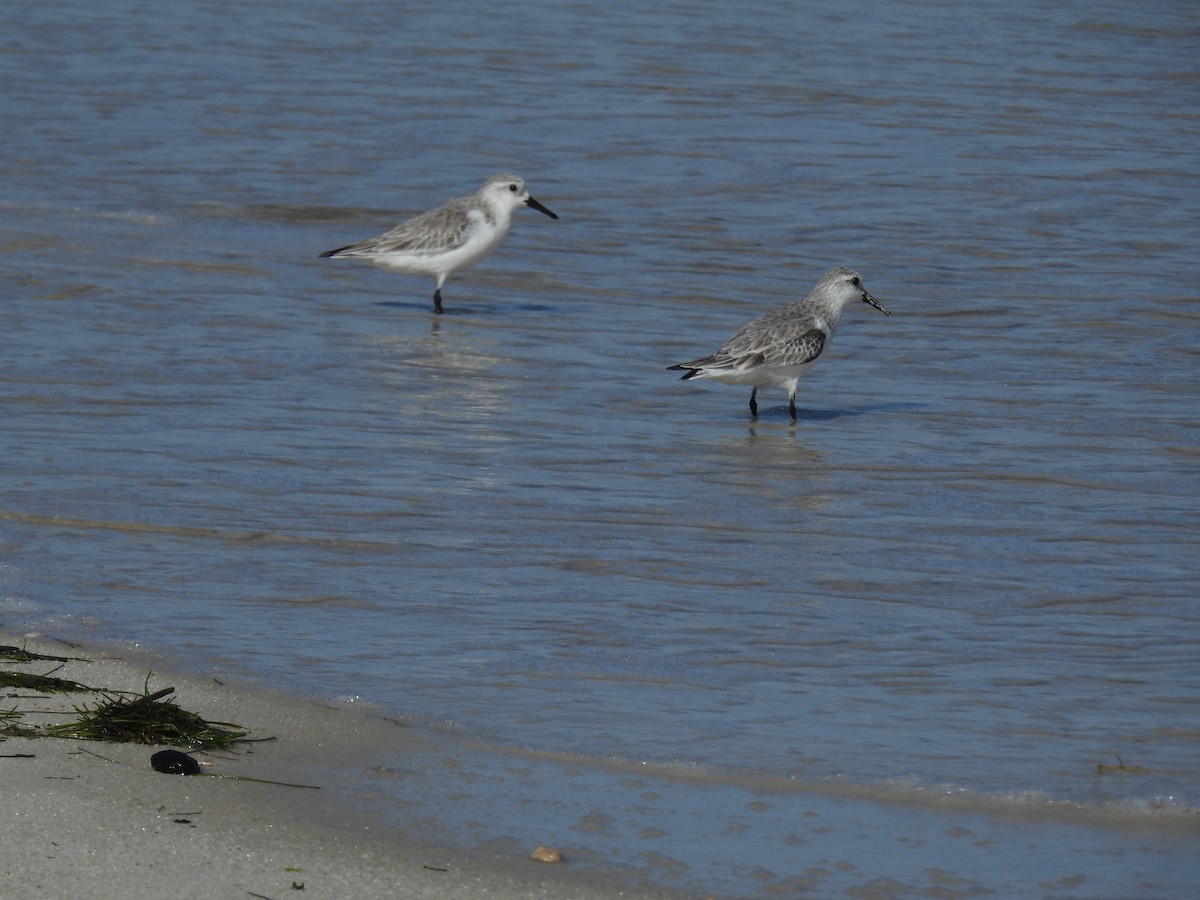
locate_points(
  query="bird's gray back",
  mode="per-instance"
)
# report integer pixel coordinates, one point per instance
(436, 231)
(775, 339)
(789, 336)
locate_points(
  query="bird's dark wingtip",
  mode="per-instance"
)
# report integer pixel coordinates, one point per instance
(334, 252)
(688, 371)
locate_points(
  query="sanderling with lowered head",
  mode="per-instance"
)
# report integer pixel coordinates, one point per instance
(775, 350)
(450, 238)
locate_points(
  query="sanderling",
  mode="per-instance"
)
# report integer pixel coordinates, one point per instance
(775, 350)
(450, 238)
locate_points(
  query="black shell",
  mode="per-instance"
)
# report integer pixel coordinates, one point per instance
(172, 762)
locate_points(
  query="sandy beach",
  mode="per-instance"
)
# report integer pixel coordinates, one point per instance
(92, 819)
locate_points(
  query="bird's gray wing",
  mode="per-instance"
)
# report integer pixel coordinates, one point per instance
(796, 350)
(769, 346)
(437, 231)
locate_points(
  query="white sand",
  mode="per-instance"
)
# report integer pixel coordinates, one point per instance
(85, 819)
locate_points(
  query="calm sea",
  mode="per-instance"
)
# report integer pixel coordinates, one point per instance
(965, 578)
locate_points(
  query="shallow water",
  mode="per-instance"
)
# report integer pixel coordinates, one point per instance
(967, 571)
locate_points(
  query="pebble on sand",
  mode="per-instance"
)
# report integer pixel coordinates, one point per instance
(546, 855)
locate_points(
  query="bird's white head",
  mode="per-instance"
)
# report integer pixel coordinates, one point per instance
(507, 192)
(843, 285)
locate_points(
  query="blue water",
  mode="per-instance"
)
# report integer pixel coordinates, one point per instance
(967, 572)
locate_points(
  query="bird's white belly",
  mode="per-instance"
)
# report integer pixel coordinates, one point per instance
(435, 263)
(762, 376)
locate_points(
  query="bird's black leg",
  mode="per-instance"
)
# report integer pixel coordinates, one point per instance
(753, 403)
(792, 406)
(437, 301)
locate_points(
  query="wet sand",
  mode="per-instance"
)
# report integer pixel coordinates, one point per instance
(94, 819)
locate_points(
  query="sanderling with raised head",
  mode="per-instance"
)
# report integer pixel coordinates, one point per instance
(450, 238)
(775, 350)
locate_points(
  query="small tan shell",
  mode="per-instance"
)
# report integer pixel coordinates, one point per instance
(546, 855)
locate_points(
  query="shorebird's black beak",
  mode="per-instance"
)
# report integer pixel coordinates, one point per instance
(867, 298)
(540, 208)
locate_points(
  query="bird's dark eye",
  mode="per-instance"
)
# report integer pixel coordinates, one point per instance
(513, 188)
(856, 281)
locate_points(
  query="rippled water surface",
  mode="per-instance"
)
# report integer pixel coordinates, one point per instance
(969, 569)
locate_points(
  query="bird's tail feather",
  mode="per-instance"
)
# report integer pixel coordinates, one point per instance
(689, 371)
